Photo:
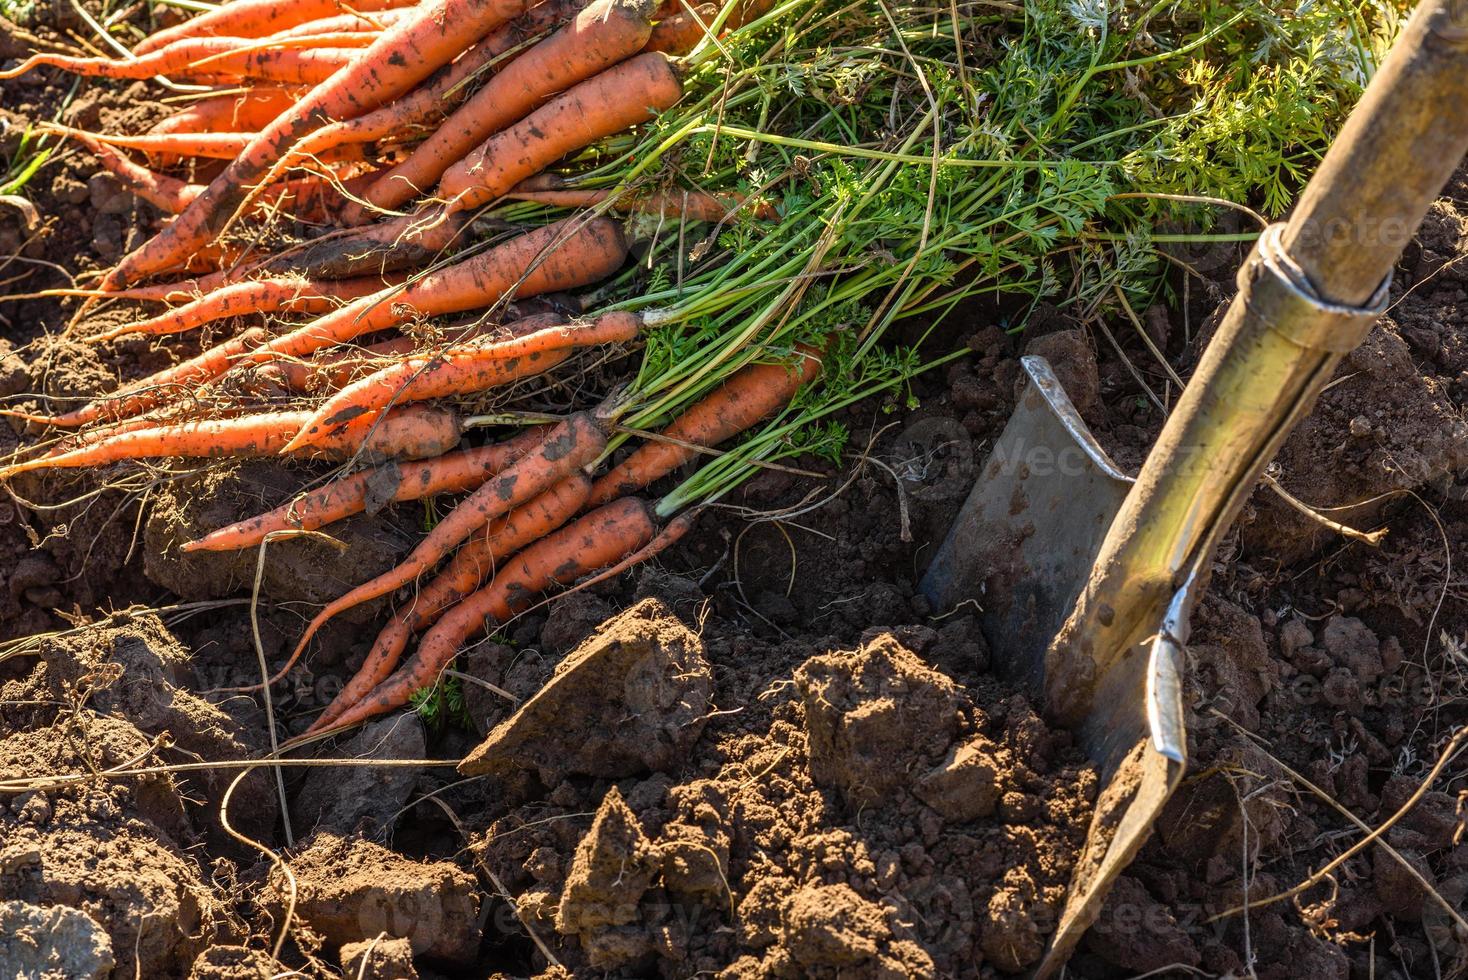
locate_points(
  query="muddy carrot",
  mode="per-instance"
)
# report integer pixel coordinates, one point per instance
(565, 449)
(617, 99)
(414, 431)
(340, 499)
(598, 538)
(343, 23)
(477, 366)
(604, 33)
(279, 294)
(189, 58)
(240, 112)
(401, 57)
(153, 390)
(465, 573)
(560, 256)
(747, 397)
(257, 18)
(681, 32)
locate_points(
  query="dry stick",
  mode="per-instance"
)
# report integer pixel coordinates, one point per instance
(1345, 812)
(1454, 744)
(47, 784)
(276, 859)
(499, 886)
(285, 813)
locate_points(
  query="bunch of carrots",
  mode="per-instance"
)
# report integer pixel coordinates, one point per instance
(748, 193)
(470, 102)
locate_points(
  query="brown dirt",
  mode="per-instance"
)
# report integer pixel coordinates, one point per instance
(829, 781)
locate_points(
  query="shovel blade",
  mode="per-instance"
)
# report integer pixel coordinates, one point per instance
(1023, 543)
(1022, 548)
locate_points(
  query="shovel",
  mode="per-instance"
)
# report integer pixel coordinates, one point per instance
(1085, 577)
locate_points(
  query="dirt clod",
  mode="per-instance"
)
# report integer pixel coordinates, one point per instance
(364, 798)
(52, 944)
(350, 890)
(379, 959)
(874, 717)
(631, 699)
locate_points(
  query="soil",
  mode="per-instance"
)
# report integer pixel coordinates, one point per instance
(763, 756)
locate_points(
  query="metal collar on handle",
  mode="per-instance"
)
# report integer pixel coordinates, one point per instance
(1279, 293)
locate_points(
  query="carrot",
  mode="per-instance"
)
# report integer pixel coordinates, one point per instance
(165, 193)
(153, 390)
(373, 23)
(253, 296)
(594, 540)
(333, 370)
(415, 431)
(564, 450)
(340, 499)
(215, 146)
(401, 57)
(239, 112)
(618, 98)
(748, 396)
(680, 33)
(258, 18)
(188, 58)
(470, 566)
(539, 261)
(689, 205)
(604, 33)
(477, 366)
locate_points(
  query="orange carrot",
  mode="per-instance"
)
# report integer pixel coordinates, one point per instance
(617, 99)
(153, 390)
(333, 370)
(681, 32)
(253, 296)
(401, 57)
(538, 261)
(478, 365)
(689, 205)
(258, 18)
(373, 23)
(340, 499)
(604, 33)
(565, 449)
(470, 566)
(165, 193)
(747, 397)
(596, 539)
(213, 146)
(415, 431)
(188, 58)
(241, 112)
